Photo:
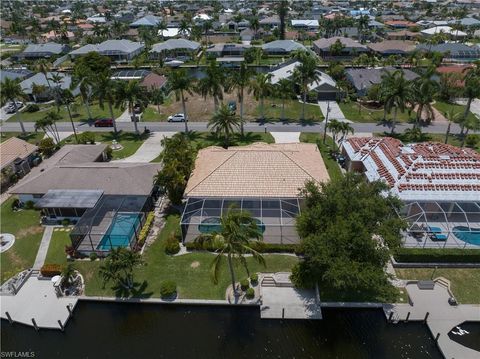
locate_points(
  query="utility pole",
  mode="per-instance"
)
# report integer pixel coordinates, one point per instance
(326, 122)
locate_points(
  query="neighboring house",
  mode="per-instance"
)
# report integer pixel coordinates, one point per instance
(400, 24)
(455, 51)
(107, 201)
(97, 19)
(15, 74)
(439, 185)
(237, 26)
(117, 50)
(38, 51)
(175, 48)
(17, 157)
(154, 81)
(350, 47)
(363, 79)
(262, 179)
(460, 70)
(282, 47)
(447, 30)
(392, 47)
(403, 35)
(270, 22)
(309, 25)
(39, 79)
(133, 74)
(148, 20)
(227, 50)
(53, 36)
(170, 32)
(466, 22)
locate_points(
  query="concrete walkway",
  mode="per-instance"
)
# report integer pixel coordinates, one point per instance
(149, 150)
(62, 135)
(442, 316)
(474, 106)
(42, 251)
(286, 137)
(335, 111)
(124, 117)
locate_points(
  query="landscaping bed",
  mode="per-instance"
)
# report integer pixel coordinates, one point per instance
(446, 255)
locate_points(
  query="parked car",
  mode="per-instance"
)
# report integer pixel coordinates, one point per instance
(178, 117)
(10, 108)
(137, 109)
(232, 105)
(104, 122)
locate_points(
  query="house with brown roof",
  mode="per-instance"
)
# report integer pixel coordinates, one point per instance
(392, 47)
(263, 179)
(350, 47)
(16, 157)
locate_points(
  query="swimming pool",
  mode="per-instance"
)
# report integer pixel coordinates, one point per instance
(212, 224)
(120, 231)
(469, 235)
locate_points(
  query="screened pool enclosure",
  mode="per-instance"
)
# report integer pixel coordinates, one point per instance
(114, 222)
(275, 217)
(436, 224)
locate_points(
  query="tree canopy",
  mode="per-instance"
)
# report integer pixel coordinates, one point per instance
(341, 225)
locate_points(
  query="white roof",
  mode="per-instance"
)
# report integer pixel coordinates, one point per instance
(444, 29)
(308, 23)
(203, 17)
(169, 32)
(286, 72)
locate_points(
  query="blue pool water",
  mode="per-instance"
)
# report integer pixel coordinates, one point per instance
(469, 235)
(121, 231)
(212, 225)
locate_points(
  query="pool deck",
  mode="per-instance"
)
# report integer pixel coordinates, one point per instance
(37, 300)
(442, 317)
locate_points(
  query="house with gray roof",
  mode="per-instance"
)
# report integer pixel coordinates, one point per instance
(270, 22)
(39, 79)
(227, 50)
(466, 22)
(282, 47)
(350, 47)
(363, 79)
(148, 20)
(117, 50)
(175, 48)
(38, 51)
(14, 74)
(455, 51)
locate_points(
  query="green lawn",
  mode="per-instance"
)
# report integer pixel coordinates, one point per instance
(191, 272)
(445, 107)
(293, 111)
(30, 137)
(351, 112)
(332, 165)
(56, 250)
(79, 112)
(465, 283)
(24, 225)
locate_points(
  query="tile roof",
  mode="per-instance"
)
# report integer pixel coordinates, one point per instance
(365, 78)
(14, 148)
(419, 172)
(257, 170)
(392, 46)
(174, 44)
(110, 47)
(285, 45)
(154, 80)
(325, 44)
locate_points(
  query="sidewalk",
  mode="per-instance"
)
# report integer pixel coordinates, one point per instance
(335, 111)
(43, 249)
(149, 150)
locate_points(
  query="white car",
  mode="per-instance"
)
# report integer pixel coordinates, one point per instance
(178, 117)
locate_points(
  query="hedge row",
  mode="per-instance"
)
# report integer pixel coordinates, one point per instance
(51, 270)
(145, 229)
(261, 247)
(437, 255)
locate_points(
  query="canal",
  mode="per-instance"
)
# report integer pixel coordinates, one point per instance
(111, 330)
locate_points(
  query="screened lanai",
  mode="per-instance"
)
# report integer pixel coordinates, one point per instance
(275, 217)
(114, 222)
(436, 224)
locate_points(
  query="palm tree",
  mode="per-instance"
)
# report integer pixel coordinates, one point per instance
(305, 74)
(211, 84)
(38, 90)
(158, 97)
(423, 91)
(470, 123)
(239, 80)
(43, 66)
(68, 100)
(184, 28)
(127, 95)
(57, 80)
(224, 123)
(238, 229)
(396, 92)
(119, 266)
(471, 88)
(282, 9)
(104, 90)
(68, 275)
(362, 26)
(48, 124)
(181, 83)
(161, 27)
(81, 78)
(261, 87)
(284, 90)
(452, 117)
(345, 129)
(11, 91)
(335, 127)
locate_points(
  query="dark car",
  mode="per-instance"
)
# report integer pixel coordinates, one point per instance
(104, 122)
(137, 109)
(232, 105)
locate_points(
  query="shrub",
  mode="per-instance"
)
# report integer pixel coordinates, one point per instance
(145, 229)
(15, 204)
(108, 152)
(51, 270)
(437, 255)
(254, 278)
(29, 205)
(32, 108)
(259, 246)
(86, 138)
(244, 284)
(472, 140)
(168, 289)
(93, 256)
(65, 222)
(47, 146)
(172, 246)
(250, 293)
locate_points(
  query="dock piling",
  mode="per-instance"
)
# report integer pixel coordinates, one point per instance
(35, 324)
(61, 325)
(426, 317)
(283, 313)
(70, 313)
(390, 316)
(438, 336)
(9, 317)
(408, 316)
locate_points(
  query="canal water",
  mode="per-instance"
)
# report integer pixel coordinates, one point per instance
(108, 330)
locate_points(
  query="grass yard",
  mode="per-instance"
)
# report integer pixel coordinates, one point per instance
(79, 112)
(56, 250)
(24, 225)
(191, 272)
(332, 166)
(351, 112)
(293, 110)
(465, 283)
(445, 107)
(30, 137)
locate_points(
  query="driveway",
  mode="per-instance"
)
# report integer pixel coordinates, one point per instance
(286, 137)
(149, 150)
(335, 111)
(475, 107)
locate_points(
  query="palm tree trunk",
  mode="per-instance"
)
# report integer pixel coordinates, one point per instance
(134, 117)
(232, 274)
(110, 107)
(241, 111)
(303, 104)
(57, 135)
(22, 126)
(184, 111)
(467, 108)
(262, 109)
(419, 116)
(394, 120)
(447, 133)
(215, 103)
(283, 109)
(71, 121)
(87, 106)
(464, 137)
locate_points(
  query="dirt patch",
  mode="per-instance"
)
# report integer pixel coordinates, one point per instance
(195, 264)
(15, 259)
(29, 231)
